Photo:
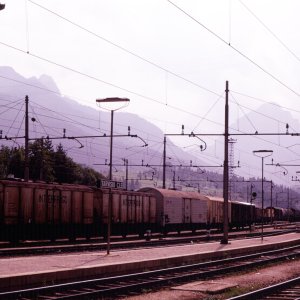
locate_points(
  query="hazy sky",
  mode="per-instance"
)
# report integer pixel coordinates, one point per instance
(172, 62)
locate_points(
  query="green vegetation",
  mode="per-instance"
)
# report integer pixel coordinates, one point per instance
(45, 163)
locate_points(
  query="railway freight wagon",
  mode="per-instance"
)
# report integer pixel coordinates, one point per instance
(40, 210)
(215, 215)
(273, 213)
(179, 210)
(287, 214)
(131, 212)
(242, 214)
(296, 215)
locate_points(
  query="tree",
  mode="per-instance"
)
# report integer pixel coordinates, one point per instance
(41, 160)
(11, 162)
(64, 167)
(89, 176)
(45, 164)
(4, 159)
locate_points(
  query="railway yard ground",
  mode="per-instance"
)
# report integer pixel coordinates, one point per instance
(216, 289)
(39, 270)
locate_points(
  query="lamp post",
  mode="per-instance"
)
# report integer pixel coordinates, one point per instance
(262, 154)
(111, 100)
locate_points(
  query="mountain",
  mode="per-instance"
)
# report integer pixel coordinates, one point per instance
(76, 126)
(55, 116)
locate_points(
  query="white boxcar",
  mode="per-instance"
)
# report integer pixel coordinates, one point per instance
(179, 210)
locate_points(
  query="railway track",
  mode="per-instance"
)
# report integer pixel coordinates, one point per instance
(119, 245)
(288, 290)
(123, 284)
(38, 243)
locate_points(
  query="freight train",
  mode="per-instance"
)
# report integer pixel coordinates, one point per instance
(38, 210)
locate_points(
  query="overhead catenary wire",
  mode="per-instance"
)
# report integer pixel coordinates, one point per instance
(245, 115)
(209, 110)
(122, 48)
(105, 82)
(202, 118)
(265, 101)
(235, 49)
(270, 31)
(147, 60)
(267, 141)
(15, 104)
(73, 22)
(231, 128)
(247, 108)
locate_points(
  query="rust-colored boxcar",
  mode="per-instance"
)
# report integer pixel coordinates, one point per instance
(131, 212)
(40, 210)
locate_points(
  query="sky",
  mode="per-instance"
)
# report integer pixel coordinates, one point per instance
(170, 58)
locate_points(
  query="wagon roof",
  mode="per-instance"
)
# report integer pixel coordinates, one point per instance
(175, 193)
(42, 184)
(241, 202)
(275, 207)
(215, 198)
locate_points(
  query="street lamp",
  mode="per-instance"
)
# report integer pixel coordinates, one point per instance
(99, 102)
(262, 154)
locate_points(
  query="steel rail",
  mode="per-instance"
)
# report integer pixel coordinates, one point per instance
(289, 289)
(52, 248)
(115, 285)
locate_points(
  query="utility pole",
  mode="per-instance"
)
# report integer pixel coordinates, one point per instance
(26, 170)
(42, 160)
(272, 200)
(225, 173)
(164, 163)
(174, 180)
(288, 204)
(126, 172)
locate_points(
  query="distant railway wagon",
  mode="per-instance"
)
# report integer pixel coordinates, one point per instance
(296, 214)
(277, 214)
(273, 213)
(288, 214)
(39, 210)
